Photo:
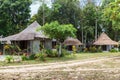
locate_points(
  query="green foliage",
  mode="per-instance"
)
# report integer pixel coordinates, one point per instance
(99, 49)
(111, 18)
(54, 53)
(93, 49)
(51, 53)
(87, 16)
(39, 16)
(64, 53)
(9, 59)
(91, 18)
(60, 11)
(24, 57)
(15, 17)
(32, 57)
(85, 50)
(113, 50)
(111, 13)
(40, 56)
(12, 49)
(57, 31)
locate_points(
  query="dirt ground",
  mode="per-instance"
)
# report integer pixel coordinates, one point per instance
(92, 69)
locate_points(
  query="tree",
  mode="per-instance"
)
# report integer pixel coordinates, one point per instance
(91, 18)
(14, 15)
(61, 11)
(59, 32)
(111, 14)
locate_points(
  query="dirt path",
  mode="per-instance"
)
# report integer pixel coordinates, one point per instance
(52, 66)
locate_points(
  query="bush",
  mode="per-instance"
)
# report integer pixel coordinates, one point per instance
(32, 57)
(85, 50)
(113, 50)
(55, 53)
(24, 57)
(64, 53)
(9, 59)
(40, 56)
(51, 53)
(93, 49)
(99, 49)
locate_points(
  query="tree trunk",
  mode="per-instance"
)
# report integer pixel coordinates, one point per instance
(60, 50)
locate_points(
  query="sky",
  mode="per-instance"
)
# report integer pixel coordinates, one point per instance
(36, 4)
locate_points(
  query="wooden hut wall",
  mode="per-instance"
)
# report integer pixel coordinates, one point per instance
(36, 46)
(48, 44)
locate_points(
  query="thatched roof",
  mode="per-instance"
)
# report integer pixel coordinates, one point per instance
(105, 40)
(29, 33)
(72, 41)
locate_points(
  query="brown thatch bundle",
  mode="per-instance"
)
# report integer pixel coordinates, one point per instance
(105, 40)
(72, 41)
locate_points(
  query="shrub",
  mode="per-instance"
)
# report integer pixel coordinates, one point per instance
(24, 57)
(32, 57)
(85, 50)
(54, 53)
(51, 53)
(40, 56)
(64, 53)
(113, 50)
(9, 59)
(99, 49)
(93, 49)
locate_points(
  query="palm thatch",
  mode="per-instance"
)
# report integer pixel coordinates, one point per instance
(105, 40)
(29, 33)
(72, 41)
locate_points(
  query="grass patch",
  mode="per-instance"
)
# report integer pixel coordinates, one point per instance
(79, 56)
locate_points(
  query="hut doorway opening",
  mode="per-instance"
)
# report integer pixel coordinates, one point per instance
(54, 44)
(23, 45)
(104, 47)
(69, 48)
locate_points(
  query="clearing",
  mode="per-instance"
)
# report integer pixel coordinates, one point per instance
(100, 68)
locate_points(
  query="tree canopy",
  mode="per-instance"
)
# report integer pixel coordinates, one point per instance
(60, 32)
(111, 14)
(14, 15)
(54, 30)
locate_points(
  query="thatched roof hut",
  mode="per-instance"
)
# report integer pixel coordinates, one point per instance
(72, 41)
(29, 33)
(105, 40)
(30, 39)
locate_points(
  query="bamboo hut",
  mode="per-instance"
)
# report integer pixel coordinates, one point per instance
(30, 39)
(69, 42)
(105, 42)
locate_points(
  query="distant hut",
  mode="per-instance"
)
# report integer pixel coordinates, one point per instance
(105, 42)
(69, 42)
(30, 39)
